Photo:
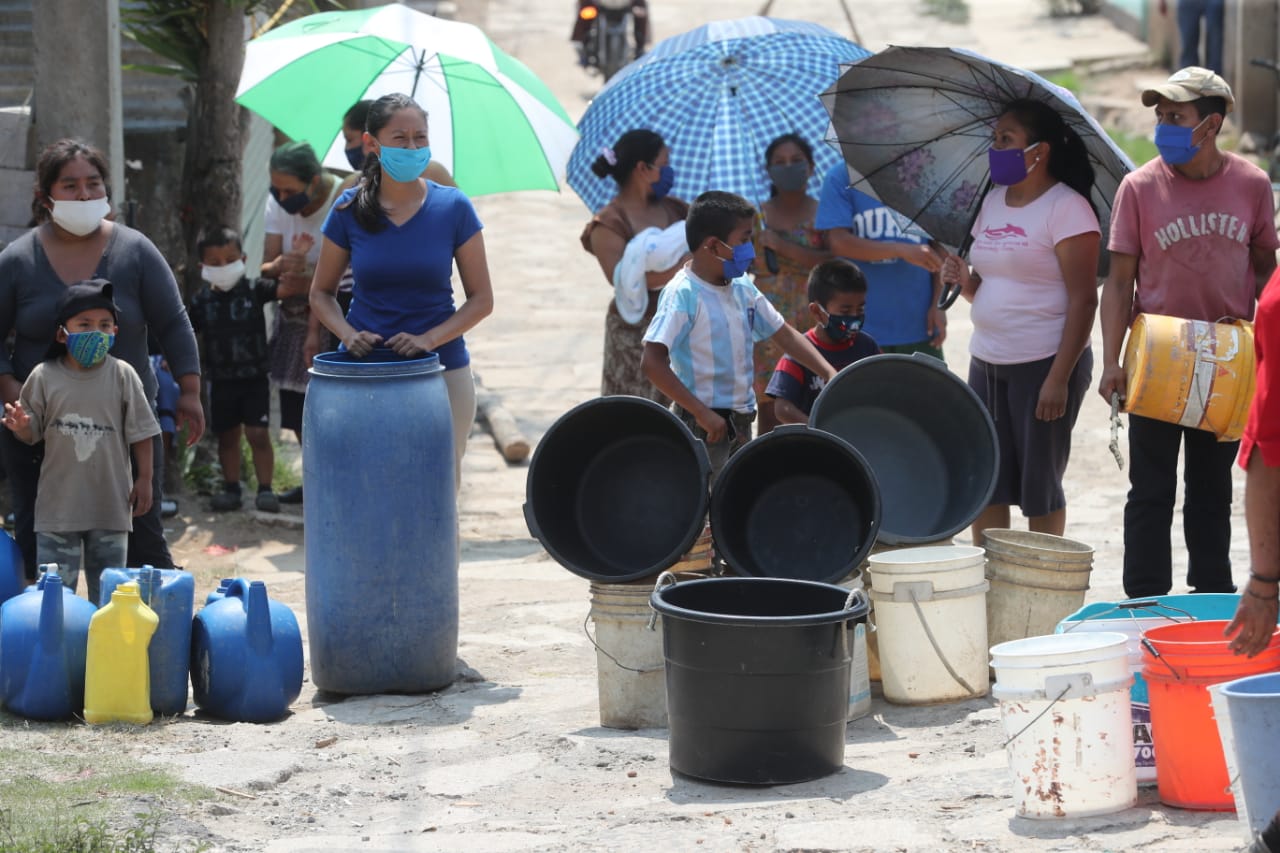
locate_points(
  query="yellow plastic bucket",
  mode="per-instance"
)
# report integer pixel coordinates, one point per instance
(1191, 372)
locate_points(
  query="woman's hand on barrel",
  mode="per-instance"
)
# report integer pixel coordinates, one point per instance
(410, 346)
(1052, 403)
(1255, 620)
(360, 344)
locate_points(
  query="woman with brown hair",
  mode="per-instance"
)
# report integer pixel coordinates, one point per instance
(75, 240)
(640, 165)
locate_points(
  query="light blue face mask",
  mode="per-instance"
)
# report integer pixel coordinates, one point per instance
(89, 349)
(404, 164)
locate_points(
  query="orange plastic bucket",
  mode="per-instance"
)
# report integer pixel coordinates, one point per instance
(1180, 661)
(1191, 372)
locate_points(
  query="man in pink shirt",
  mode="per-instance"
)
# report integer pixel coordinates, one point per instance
(1192, 235)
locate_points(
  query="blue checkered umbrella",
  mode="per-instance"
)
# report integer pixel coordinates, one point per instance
(718, 95)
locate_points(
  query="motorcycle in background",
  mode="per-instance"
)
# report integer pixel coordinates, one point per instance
(603, 33)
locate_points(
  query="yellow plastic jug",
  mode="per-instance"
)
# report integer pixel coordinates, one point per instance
(117, 684)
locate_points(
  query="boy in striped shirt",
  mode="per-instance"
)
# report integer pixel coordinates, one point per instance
(698, 347)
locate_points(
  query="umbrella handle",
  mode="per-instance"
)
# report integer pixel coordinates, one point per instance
(950, 293)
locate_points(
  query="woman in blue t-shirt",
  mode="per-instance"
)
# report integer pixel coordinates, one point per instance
(401, 234)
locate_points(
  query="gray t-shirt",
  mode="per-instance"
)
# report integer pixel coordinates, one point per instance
(87, 419)
(145, 292)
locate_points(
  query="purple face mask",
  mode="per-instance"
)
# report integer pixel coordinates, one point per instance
(1008, 165)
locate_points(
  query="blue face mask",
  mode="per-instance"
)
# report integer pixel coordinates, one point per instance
(293, 204)
(738, 265)
(355, 156)
(1174, 143)
(666, 180)
(404, 164)
(841, 327)
(89, 348)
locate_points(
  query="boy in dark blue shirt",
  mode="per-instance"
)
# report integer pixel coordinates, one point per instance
(227, 312)
(837, 300)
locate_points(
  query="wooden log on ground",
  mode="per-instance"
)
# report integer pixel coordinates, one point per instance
(511, 443)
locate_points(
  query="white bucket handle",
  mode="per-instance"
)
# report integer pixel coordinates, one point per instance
(617, 662)
(1082, 682)
(907, 592)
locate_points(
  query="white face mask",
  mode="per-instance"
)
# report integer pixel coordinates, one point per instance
(80, 217)
(223, 277)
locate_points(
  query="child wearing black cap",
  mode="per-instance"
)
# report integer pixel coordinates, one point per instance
(89, 409)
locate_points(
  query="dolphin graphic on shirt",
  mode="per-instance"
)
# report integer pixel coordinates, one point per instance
(1009, 230)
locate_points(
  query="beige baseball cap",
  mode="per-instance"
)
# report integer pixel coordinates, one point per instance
(1189, 84)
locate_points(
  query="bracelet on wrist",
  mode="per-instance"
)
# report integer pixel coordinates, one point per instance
(1254, 576)
(1253, 594)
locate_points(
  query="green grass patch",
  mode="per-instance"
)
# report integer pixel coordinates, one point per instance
(1139, 147)
(98, 802)
(1068, 80)
(951, 11)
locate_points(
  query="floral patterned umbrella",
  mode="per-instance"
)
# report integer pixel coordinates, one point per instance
(914, 124)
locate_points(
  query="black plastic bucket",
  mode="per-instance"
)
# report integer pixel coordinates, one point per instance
(927, 437)
(795, 503)
(617, 489)
(757, 676)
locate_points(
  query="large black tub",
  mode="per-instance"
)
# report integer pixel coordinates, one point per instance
(617, 489)
(757, 677)
(927, 437)
(795, 503)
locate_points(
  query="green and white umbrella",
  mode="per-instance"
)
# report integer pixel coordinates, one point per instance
(491, 122)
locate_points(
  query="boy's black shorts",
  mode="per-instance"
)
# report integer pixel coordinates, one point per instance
(239, 401)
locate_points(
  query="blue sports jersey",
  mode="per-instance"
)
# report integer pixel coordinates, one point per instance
(899, 294)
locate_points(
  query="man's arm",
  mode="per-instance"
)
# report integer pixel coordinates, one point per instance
(1116, 306)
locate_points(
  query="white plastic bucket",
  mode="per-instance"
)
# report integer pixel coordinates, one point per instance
(1064, 705)
(1037, 579)
(931, 623)
(863, 575)
(630, 668)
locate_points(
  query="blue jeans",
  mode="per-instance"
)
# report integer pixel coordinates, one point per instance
(1189, 14)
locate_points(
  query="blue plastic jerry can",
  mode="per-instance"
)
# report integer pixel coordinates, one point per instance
(170, 593)
(12, 581)
(246, 656)
(219, 593)
(44, 634)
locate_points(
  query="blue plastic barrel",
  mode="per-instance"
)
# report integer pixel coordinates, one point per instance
(171, 594)
(381, 524)
(44, 635)
(12, 580)
(246, 656)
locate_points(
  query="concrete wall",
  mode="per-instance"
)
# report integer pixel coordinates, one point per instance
(17, 151)
(77, 61)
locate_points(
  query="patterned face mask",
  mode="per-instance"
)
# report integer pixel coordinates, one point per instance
(89, 348)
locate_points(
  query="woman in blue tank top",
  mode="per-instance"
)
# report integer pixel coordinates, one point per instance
(401, 235)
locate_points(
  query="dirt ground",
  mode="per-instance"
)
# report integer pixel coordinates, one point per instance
(512, 757)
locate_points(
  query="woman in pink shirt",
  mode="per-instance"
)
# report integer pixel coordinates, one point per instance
(1033, 285)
